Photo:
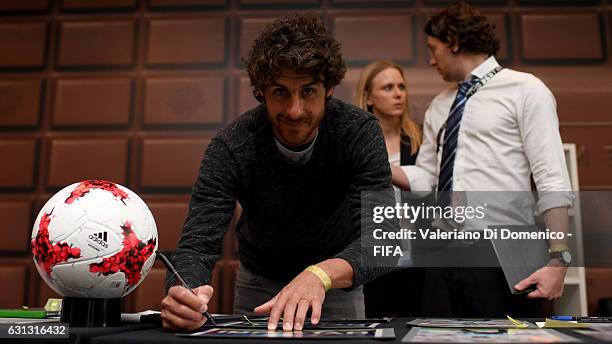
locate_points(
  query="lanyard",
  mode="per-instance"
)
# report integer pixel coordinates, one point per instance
(468, 94)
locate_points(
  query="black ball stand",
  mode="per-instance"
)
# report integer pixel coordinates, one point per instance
(83, 312)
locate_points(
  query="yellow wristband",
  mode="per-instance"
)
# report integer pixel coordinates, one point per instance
(323, 276)
(558, 248)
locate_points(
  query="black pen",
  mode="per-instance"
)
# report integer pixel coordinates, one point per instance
(594, 319)
(164, 258)
(582, 319)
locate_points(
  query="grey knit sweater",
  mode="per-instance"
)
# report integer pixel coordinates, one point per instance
(295, 215)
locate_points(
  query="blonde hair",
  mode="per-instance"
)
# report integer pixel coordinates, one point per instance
(407, 126)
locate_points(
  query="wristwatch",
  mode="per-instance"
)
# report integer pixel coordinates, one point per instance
(565, 257)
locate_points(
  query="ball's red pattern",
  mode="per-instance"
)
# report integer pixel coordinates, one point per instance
(47, 253)
(129, 260)
(107, 228)
(85, 186)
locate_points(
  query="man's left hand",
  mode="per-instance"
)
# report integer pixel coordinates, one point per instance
(549, 281)
(303, 292)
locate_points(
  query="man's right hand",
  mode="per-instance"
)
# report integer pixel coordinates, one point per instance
(182, 311)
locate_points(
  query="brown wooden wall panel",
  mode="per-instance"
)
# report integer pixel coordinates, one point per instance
(215, 282)
(13, 277)
(279, 2)
(186, 3)
(229, 285)
(96, 43)
(18, 160)
(394, 40)
(169, 217)
(183, 100)
(161, 156)
(15, 227)
(98, 4)
(246, 101)
(23, 44)
(149, 294)
(423, 84)
(186, 41)
(585, 104)
(609, 32)
(419, 101)
(92, 102)
(558, 2)
(594, 148)
(347, 88)
(170, 213)
(442, 3)
(249, 28)
(583, 93)
(598, 280)
(230, 242)
(561, 37)
(21, 5)
(596, 238)
(73, 160)
(44, 293)
(501, 32)
(385, 2)
(20, 102)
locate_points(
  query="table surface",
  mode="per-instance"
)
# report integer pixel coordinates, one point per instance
(146, 334)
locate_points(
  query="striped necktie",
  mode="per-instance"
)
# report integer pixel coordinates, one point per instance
(449, 148)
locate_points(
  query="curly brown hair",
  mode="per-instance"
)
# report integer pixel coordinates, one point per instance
(463, 25)
(299, 42)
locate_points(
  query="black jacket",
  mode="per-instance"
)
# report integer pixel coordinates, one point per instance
(294, 215)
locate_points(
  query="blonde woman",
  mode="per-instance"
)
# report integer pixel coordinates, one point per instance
(382, 91)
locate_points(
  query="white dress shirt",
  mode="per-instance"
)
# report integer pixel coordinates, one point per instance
(509, 131)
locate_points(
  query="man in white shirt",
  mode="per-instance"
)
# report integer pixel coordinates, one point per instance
(493, 140)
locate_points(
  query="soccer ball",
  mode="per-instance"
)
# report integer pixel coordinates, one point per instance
(94, 239)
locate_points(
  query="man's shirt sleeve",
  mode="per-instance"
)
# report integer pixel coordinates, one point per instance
(539, 128)
(422, 175)
(370, 172)
(210, 211)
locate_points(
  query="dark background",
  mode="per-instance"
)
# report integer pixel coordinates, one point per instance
(131, 91)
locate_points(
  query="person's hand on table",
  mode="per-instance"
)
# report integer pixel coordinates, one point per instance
(549, 281)
(292, 303)
(182, 311)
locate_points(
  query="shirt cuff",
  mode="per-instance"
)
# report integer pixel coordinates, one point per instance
(419, 180)
(355, 263)
(554, 199)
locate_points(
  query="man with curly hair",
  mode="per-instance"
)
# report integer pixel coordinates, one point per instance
(297, 164)
(492, 140)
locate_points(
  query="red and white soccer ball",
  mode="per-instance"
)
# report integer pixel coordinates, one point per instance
(94, 239)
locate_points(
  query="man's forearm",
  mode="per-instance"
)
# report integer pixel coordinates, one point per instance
(398, 178)
(557, 219)
(339, 271)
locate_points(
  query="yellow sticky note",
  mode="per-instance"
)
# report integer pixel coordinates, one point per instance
(551, 323)
(517, 323)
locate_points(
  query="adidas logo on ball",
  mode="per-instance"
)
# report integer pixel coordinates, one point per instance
(100, 239)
